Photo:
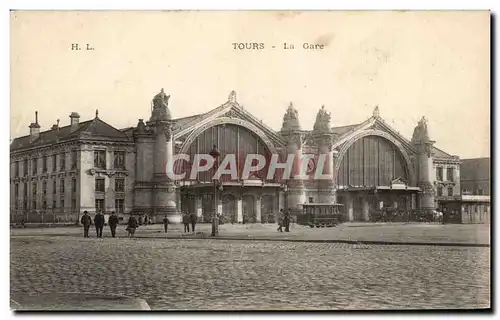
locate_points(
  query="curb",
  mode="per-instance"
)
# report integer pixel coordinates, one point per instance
(366, 242)
(76, 302)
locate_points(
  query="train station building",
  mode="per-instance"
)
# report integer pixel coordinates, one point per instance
(91, 165)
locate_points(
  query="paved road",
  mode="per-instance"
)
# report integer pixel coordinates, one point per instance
(208, 274)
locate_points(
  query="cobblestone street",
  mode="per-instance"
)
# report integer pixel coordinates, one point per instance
(217, 274)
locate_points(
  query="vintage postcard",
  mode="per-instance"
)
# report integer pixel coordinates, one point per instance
(250, 160)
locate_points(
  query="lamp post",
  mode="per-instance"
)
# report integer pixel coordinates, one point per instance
(215, 153)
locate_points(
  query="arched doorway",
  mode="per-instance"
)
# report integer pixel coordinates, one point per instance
(267, 214)
(229, 208)
(207, 201)
(248, 209)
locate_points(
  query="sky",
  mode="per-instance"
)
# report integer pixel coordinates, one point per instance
(410, 64)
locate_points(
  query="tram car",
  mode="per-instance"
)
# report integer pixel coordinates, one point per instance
(320, 215)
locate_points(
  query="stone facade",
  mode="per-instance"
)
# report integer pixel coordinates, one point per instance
(370, 164)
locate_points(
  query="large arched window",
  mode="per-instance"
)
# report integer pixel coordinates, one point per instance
(371, 161)
(230, 139)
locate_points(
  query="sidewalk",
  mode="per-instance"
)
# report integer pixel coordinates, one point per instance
(75, 301)
(369, 233)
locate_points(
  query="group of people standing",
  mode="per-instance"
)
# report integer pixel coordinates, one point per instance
(284, 221)
(189, 219)
(99, 222)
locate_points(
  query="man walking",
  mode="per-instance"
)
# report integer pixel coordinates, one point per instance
(99, 223)
(185, 221)
(86, 222)
(113, 222)
(165, 223)
(193, 219)
(286, 221)
(280, 221)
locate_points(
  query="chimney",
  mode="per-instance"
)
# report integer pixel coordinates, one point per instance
(74, 120)
(55, 126)
(34, 129)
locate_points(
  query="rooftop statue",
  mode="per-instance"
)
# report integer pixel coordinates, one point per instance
(322, 123)
(160, 100)
(291, 119)
(421, 133)
(291, 113)
(160, 109)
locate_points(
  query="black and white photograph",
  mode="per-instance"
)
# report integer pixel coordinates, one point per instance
(250, 160)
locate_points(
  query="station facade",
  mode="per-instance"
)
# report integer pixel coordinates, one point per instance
(91, 165)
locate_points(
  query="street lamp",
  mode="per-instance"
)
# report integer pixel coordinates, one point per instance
(215, 153)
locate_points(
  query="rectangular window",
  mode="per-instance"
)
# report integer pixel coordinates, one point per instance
(44, 164)
(17, 169)
(62, 205)
(16, 191)
(311, 199)
(119, 159)
(73, 205)
(54, 186)
(439, 191)
(25, 204)
(61, 186)
(73, 159)
(73, 185)
(439, 174)
(25, 189)
(119, 185)
(480, 192)
(25, 167)
(33, 189)
(44, 206)
(99, 205)
(44, 188)
(33, 205)
(63, 161)
(54, 163)
(450, 191)
(449, 174)
(99, 185)
(119, 205)
(100, 159)
(34, 166)
(54, 204)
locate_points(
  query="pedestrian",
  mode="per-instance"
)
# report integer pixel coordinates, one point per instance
(280, 221)
(286, 221)
(165, 223)
(131, 226)
(185, 221)
(86, 222)
(113, 222)
(99, 223)
(22, 224)
(193, 219)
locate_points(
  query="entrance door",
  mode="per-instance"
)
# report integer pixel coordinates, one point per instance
(267, 214)
(248, 209)
(357, 207)
(229, 208)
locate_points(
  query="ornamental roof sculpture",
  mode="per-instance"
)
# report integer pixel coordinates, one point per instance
(160, 111)
(291, 119)
(421, 133)
(322, 124)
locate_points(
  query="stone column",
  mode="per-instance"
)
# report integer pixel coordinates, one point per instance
(198, 207)
(239, 209)
(296, 191)
(349, 208)
(165, 190)
(326, 187)
(366, 209)
(258, 207)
